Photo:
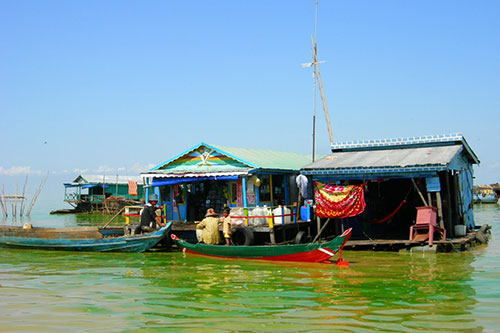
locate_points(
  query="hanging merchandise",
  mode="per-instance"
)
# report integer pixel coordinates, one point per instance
(302, 181)
(132, 188)
(338, 201)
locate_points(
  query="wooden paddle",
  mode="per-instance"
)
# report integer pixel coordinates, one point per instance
(107, 223)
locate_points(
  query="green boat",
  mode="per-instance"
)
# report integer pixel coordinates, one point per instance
(310, 252)
(79, 239)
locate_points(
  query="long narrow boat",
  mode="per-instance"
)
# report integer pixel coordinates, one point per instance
(78, 239)
(311, 252)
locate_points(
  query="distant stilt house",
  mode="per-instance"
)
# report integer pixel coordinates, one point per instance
(397, 176)
(94, 192)
(213, 176)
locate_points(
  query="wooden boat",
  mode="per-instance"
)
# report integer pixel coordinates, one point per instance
(78, 239)
(485, 198)
(310, 252)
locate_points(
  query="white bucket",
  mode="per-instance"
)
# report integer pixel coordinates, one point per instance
(460, 230)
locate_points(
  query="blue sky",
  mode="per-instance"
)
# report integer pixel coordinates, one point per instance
(119, 86)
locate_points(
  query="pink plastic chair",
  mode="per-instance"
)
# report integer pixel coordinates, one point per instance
(426, 220)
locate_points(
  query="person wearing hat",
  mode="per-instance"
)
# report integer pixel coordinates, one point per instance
(149, 218)
(209, 227)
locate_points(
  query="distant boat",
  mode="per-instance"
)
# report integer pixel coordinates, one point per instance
(310, 252)
(486, 198)
(78, 239)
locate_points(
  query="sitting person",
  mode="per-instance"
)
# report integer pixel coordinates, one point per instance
(210, 228)
(149, 219)
(226, 225)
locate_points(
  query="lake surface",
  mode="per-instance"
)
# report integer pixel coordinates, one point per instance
(51, 291)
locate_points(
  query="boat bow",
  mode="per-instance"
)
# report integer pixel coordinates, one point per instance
(311, 252)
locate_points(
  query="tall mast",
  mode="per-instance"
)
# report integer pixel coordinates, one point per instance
(317, 82)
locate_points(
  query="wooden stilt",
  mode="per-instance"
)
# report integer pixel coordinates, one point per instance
(272, 238)
(449, 214)
(318, 224)
(440, 209)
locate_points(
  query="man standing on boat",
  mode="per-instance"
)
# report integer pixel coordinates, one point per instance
(209, 227)
(149, 219)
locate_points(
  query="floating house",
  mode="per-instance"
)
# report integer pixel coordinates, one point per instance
(88, 192)
(400, 177)
(214, 176)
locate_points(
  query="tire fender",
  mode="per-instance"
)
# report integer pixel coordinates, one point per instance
(301, 237)
(242, 236)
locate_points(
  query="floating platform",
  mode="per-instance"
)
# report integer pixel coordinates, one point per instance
(472, 239)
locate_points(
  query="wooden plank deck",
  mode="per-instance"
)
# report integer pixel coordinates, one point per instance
(450, 245)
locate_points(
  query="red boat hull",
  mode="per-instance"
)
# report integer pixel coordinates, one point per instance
(320, 255)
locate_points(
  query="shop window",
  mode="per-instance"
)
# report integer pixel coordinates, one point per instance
(278, 189)
(165, 193)
(233, 192)
(179, 196)
(265, 188)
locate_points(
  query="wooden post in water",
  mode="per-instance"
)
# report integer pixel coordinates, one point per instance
(4, 209)
(449, 215)
(14, 212)
(4, 204)
(35, 196)
(23, 202)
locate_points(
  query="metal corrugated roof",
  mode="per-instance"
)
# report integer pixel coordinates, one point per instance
(170, 174)
(409, 142)
(267, 159)
(105, 179)
(207, 158)
(387, 158)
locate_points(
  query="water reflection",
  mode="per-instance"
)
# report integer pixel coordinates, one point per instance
(379, 291)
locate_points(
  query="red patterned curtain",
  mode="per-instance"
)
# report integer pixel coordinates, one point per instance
(338, 201)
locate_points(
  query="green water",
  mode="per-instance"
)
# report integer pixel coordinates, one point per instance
(47, 291)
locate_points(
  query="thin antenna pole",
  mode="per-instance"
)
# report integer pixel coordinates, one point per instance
(316, 21)
(314, 84)
(317, 82)
(322, 94)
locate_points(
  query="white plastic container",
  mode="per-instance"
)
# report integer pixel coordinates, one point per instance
(460, 230)
(287, 211)
(237, 212)
(277, 212)
(257, 211)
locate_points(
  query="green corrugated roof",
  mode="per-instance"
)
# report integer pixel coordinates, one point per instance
(267, 159)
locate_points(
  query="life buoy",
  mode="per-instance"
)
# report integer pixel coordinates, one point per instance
(242, 236)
